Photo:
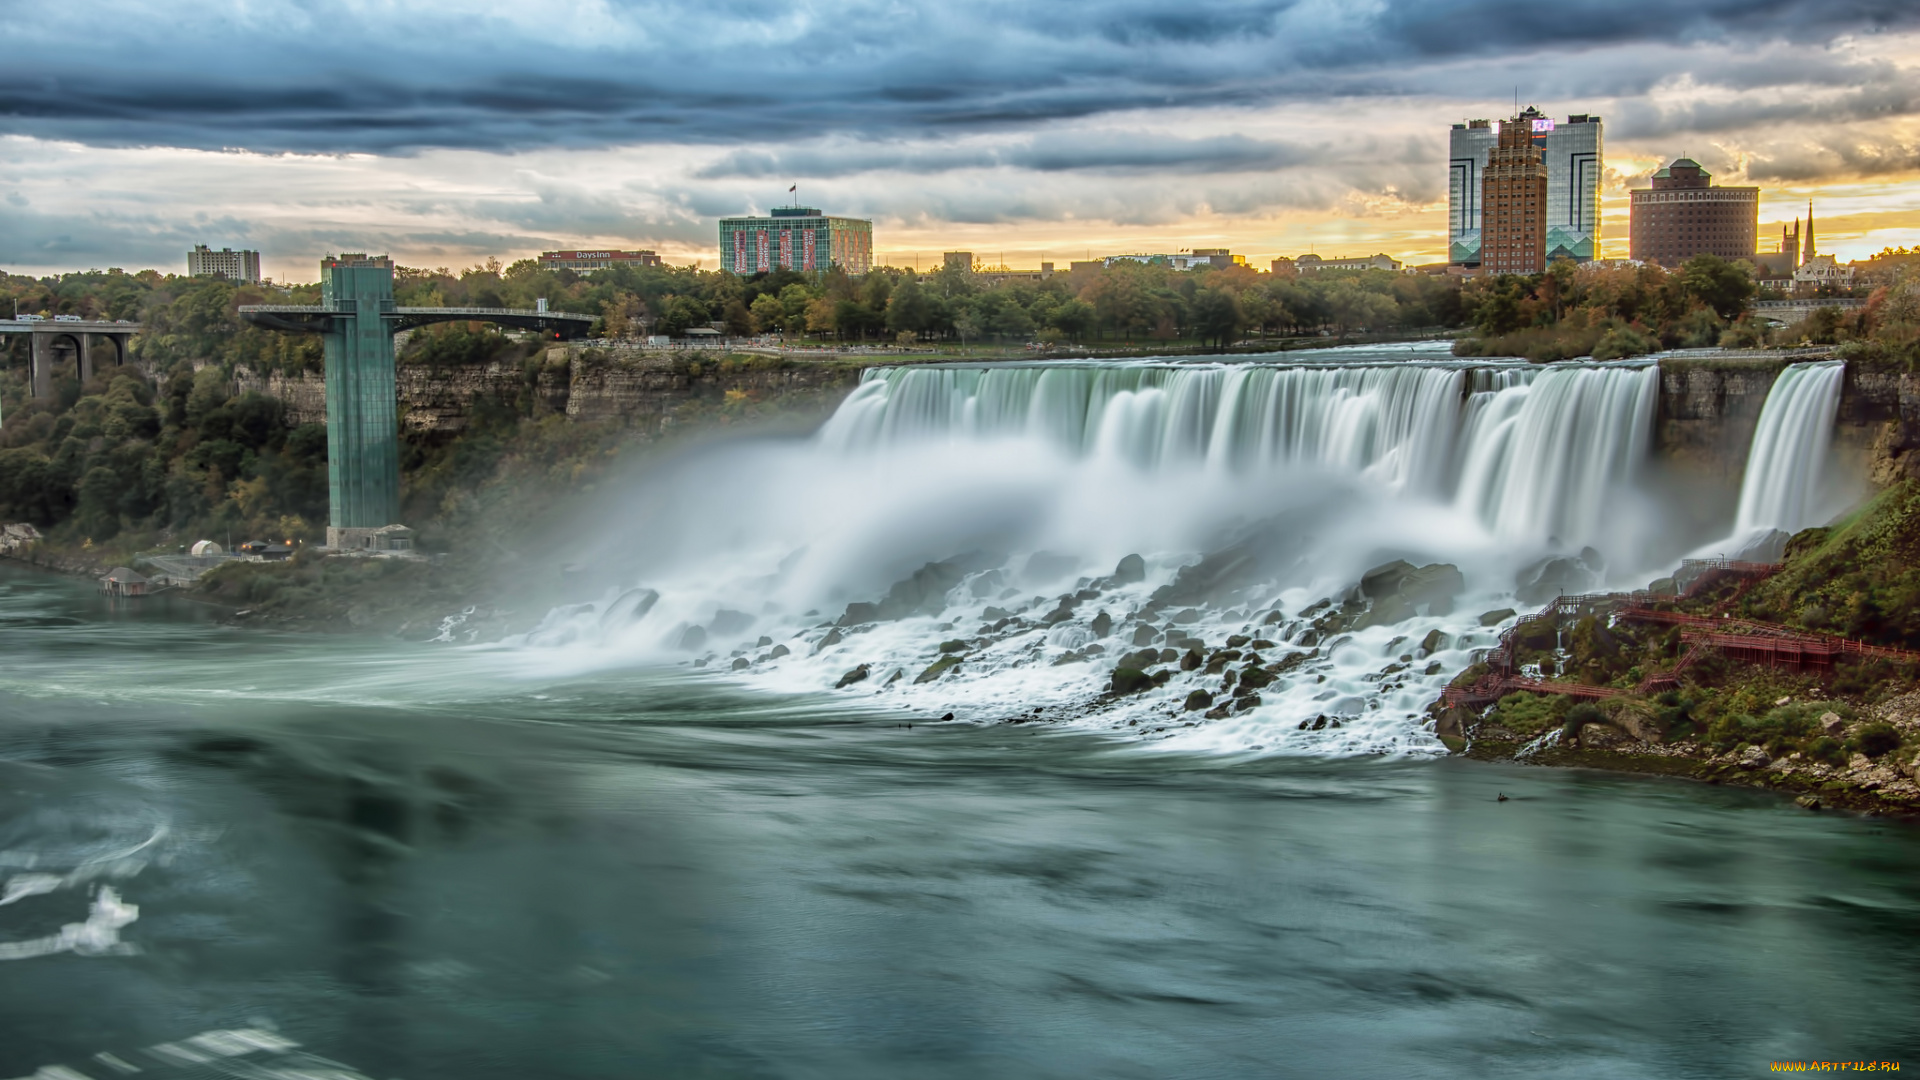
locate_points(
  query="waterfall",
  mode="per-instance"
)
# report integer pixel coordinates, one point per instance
(1782, 487)
(982, 540)
(1530, 451)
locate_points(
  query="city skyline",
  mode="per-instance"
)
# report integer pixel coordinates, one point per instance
(1269, 129)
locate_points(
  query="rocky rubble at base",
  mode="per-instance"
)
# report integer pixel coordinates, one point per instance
(1888, 783)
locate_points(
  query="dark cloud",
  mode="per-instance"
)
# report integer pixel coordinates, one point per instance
(328, 76)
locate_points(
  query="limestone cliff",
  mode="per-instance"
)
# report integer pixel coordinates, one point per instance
(579, 384)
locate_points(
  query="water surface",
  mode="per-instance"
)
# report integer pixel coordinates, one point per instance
(416, 864)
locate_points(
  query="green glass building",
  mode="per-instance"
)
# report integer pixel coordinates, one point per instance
(363, 425)
(795, 238)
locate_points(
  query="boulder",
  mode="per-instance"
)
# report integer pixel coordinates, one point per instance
(1754, 757)
(858, 613)
(1127, 680)
(1234, 641)
(1102, 625)
(741, 663)
(1552, 577)
(833, 638)
(954, 646)
(987, 584)
(1132, 569)
(1435, 641)
(1831, 725)
(858, 674)
(1191, 661)
(1145, 635)
(692, 639)
(1253, 678)
(1199, 699)
(1384, 580)
(1495, 618)
(937, 668)
(727, 622)
(780, 651)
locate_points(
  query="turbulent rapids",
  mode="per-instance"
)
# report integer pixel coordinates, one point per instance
(1255, 557)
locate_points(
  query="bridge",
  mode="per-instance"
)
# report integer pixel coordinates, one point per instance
(51, 337)
(357, 319)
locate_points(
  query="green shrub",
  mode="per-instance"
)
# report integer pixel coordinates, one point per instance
(1877, 740)
(1827, 751)
(1528, 714)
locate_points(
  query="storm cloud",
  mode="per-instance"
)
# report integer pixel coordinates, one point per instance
(360, 76)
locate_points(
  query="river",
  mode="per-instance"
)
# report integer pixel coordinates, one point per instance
(416, 862)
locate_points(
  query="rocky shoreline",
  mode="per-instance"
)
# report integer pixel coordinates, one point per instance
(1862, 785)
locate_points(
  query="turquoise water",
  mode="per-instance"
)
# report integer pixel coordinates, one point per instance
(418, 862)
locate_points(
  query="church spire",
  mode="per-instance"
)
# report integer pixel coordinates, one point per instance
(1806, 246)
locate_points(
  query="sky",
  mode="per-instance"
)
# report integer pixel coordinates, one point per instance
(447, 133)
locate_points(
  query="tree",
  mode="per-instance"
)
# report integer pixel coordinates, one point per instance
(1721, 285)
(768, 314)
(1217, 316)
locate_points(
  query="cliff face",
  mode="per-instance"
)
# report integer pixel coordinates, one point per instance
(1707, 416)
(441, 401)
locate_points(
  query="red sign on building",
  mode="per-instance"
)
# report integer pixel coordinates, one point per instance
(806, 246)
(739, 252)
(786, 248)
(761, 263)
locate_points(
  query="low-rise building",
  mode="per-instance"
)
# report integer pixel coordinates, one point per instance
(1308, 264)
(123, 581)
(596, 260)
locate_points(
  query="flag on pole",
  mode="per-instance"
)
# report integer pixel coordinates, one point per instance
(793, 189)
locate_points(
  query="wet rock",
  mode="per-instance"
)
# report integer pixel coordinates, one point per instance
(1199, 699)
(993, 613)
(987, 584)
(936, 669)
(1495, 618)
(1263, 643)
(1220, 712)
(741, 663)
(858, 613)
(1384, 580)
(1132, 569)
(1551, 577)
(1127, 680)
(1245, 702)
(1831, 725)
(1808, 802)
(1435, 641)
(1754, 757)
(898, 674)
(692, 639)
(1168, 656)
(763, 642)
(727, 622)
(1102, 625)
(1058, 615)
(1234, 641)
(833, 638)
(1145, 635)
(1253, 678)
(1186, 615)
(956, 645)
(1308, 638)
(780, 651)
(1273, 617)
(1191, 661)
(858, 674)
(1434, 668)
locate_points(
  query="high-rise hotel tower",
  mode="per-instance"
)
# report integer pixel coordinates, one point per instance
(1572, 151)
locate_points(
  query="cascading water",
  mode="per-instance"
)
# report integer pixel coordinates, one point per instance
(1784, 490)
(952, 540)
(1784, 469)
